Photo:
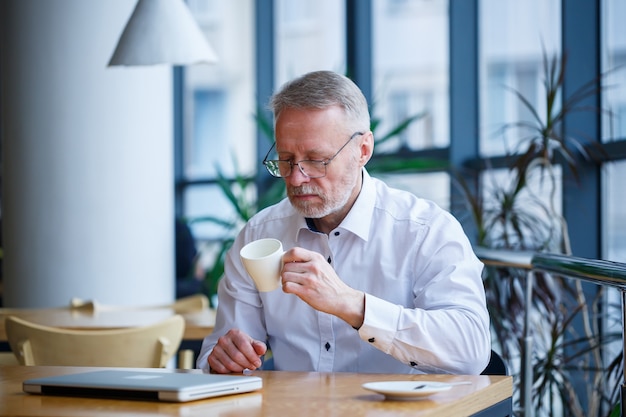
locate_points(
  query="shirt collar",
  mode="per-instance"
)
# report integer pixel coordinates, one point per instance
(359, 218)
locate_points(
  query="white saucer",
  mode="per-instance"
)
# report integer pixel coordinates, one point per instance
(406, 390)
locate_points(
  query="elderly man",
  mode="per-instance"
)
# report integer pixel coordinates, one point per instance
(374, 279)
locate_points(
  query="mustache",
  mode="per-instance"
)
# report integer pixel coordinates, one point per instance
(303, 190)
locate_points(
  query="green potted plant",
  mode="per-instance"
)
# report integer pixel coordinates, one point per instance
(519, 213)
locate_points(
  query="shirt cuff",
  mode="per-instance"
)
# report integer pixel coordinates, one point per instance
(380, 322)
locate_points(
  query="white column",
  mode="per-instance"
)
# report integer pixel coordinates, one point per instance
(87, 159)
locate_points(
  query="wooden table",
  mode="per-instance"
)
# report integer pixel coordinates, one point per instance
(299, 394)
(197, 325)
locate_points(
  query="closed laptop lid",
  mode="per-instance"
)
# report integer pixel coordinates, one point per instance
(143, 384)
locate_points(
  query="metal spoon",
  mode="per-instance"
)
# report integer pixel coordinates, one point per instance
(420, 386)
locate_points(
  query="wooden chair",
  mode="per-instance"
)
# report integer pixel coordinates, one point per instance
(190, 304)
(141, 347)
(184, 305)
(8, 359)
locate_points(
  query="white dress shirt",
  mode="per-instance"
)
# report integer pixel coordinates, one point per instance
(425, 309)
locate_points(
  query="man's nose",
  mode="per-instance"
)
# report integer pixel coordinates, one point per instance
(297, 178)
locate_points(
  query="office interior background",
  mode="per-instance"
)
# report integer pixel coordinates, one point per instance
(98, 161)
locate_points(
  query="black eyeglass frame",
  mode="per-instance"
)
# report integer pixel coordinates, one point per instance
(322, 162)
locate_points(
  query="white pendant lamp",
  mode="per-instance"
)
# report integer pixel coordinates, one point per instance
(162, 32)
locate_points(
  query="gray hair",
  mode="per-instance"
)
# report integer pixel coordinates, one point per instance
(320, 90)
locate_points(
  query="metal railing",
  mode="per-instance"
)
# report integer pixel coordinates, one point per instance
(609, 273)
(519, 260)
(601, 272)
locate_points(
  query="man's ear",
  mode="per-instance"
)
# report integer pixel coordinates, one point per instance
(366, 147)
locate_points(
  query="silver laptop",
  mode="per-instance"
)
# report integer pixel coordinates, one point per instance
(143, 385)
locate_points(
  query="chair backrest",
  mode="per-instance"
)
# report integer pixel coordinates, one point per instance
(190, 304)
(496, 365)
(8, 359)
(141, 347)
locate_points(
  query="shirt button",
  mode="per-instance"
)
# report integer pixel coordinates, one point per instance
(371, 340)
(327, 346)
(337, 233)
(412, 363)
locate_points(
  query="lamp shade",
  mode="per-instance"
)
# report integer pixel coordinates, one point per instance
(162, 32)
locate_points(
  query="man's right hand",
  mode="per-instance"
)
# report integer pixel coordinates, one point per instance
(235, 352)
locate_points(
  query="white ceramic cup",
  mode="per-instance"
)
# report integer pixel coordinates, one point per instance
(263, 260)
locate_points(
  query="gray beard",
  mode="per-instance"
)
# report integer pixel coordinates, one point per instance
(316, 211)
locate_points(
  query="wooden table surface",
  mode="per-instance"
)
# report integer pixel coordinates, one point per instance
(197, 325)
(298, 394)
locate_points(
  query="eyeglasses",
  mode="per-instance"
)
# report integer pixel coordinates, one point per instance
(281, 168)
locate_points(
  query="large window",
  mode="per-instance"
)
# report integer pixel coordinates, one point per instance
(614, 127)
(613, 53)
(310, 35)
(614, 64)
(410, 80)
(615, 216)
(513, 38)
(410, 71)
(218, 126)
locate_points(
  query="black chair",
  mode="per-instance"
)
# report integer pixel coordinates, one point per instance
(496, 365)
